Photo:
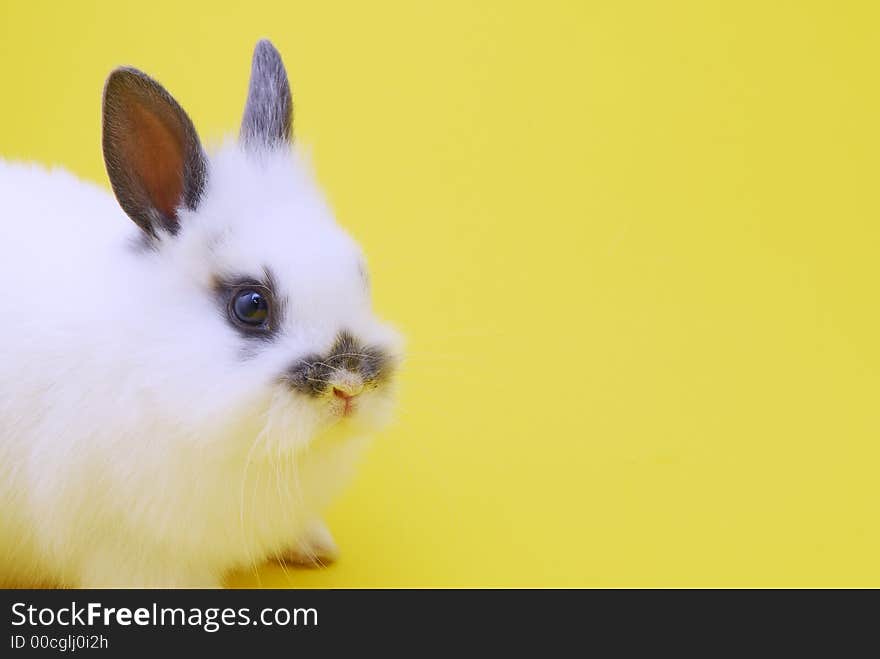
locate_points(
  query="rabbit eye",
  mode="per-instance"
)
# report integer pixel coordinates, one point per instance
(250, 308)
(250, 305)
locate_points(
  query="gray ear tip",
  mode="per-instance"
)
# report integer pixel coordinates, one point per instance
(268, 112)
(267, 60)
(266, 50)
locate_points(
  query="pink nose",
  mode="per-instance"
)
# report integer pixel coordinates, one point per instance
(344, 395)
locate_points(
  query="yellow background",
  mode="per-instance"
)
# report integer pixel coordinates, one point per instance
(634, 247)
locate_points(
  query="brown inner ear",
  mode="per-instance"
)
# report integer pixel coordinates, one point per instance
(155, 152)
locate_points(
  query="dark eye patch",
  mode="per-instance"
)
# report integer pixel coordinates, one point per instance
(250, 305)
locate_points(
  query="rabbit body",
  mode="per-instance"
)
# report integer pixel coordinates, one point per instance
(152, 434)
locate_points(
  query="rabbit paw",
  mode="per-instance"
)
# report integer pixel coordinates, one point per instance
(315, 548)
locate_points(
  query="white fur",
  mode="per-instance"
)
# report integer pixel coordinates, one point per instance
(139, 444)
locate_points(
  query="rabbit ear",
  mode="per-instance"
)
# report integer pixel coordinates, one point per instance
(268, 114)
(151, 150)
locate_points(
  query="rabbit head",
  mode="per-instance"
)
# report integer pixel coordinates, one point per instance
(254, 302)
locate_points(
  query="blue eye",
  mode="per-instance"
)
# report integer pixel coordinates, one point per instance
(250, 307)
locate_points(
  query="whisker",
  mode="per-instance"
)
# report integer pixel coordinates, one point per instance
(241, 506)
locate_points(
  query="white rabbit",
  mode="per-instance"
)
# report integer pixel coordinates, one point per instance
(183, 395)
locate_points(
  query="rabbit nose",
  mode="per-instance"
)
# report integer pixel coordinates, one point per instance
(339, 393)
(347, 386)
